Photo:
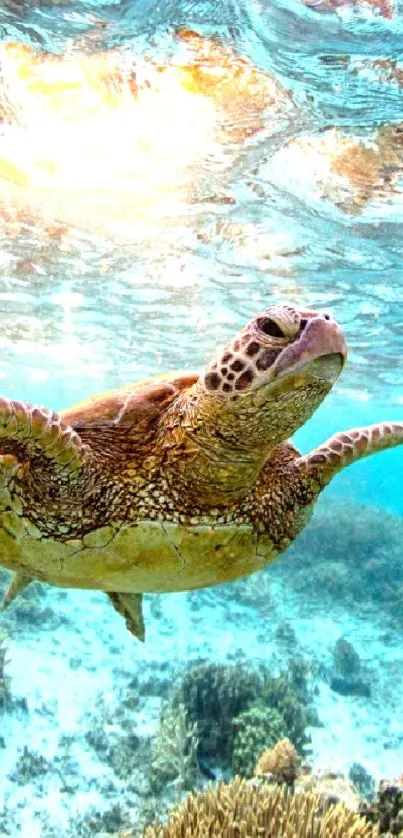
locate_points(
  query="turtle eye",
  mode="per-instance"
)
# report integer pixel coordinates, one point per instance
(269, 327)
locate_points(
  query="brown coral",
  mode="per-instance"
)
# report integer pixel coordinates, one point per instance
(281, 761)
(252, 809)
(386, 809)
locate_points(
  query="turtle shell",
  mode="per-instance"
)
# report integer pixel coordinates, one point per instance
(128, 556)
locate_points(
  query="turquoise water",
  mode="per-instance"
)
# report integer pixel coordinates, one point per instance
(88, 312)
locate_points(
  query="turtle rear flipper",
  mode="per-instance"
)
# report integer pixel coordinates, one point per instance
(130, 607)
(18, 584)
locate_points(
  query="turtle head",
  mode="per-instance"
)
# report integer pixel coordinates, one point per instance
(274, 374)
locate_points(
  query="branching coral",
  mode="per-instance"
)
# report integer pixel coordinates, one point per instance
(174, 751)
(255, 810)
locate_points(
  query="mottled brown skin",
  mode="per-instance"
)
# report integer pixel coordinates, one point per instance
(181, 482)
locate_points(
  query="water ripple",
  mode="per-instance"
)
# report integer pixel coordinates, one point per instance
(81, 311)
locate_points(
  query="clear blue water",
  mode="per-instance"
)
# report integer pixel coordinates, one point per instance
(91, 313)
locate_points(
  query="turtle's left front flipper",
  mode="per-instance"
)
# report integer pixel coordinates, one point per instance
(343, 449)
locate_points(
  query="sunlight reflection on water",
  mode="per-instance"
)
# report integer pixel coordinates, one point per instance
(257, 225)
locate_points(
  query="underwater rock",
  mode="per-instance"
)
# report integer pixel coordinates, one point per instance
(362, 779)
(347, 676)
(245, 809)
(346, 660)
(281, 762)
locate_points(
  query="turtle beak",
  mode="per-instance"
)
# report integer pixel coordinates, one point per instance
(327, 367)
(320, 350)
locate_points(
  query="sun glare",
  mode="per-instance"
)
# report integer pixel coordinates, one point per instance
(84, 140)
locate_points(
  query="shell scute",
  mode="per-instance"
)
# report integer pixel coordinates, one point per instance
(100, 538)
(13, 525)
(137, 403)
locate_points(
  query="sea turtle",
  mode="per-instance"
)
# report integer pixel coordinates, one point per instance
(179, 482)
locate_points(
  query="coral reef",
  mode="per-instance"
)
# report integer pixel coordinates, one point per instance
(331, 785)
(29, 766)
(349, 554)
(347, 676)
(215, 696)
(256, 728)
(245, 809)
(362, 779)
(386, 809)
(114, 736)
(286, 636)
(121, 751)
(281, 762)
(99, 824)
(175, 751)
(289, 694)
